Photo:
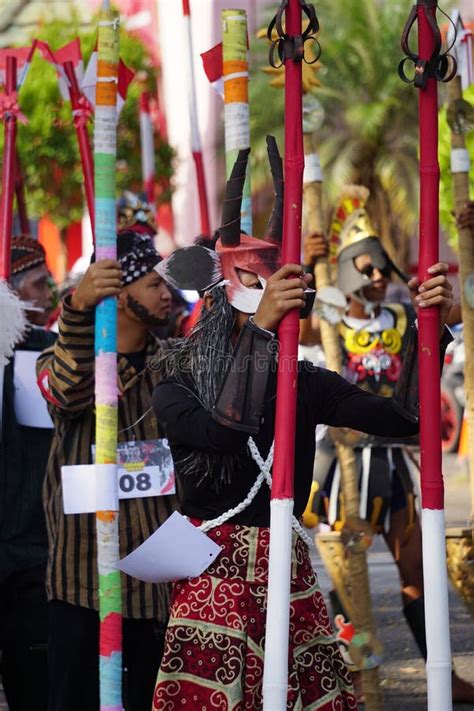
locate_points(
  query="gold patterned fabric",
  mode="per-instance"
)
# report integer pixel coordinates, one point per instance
(214, 647)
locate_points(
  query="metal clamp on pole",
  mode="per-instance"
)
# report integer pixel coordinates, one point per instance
(292, 46)
(441, 66)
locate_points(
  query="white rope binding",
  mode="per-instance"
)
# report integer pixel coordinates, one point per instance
(265, 466)
(256, 456)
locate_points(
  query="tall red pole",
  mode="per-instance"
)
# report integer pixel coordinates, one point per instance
(8, 171)
(438, 665)
(283, 465)
(431, 66)
(13, 317)
(432, 488)
(20, 197)
(275, 678)
(80, 109)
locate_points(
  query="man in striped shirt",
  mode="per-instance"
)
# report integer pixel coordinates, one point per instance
(66, 374)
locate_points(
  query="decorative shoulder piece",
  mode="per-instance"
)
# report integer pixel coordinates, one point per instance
(240, 402)
(196, 268)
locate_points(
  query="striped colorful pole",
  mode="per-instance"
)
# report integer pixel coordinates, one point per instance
(236, 100)
(147, 148)
(110, 602)
(196, 146)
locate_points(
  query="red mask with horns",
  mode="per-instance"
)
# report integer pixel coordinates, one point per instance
(200, 269)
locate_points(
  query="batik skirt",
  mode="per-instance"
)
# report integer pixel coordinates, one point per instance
(214, 646)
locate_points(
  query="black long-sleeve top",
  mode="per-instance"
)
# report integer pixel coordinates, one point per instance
(23, 457)
(323, 398)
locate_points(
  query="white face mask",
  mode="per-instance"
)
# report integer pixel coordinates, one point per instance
(244, 299)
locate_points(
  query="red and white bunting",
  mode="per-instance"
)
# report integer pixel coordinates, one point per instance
(214, 68)
(23, 57)
(125, 77)
(71, 52)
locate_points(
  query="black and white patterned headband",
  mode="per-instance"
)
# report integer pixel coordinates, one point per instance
(137, 256)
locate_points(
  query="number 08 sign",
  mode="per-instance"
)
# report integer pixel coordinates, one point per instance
(145, 469)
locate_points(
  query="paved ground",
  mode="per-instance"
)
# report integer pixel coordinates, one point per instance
(402, 674)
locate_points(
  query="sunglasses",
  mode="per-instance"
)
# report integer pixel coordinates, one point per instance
(369, 269)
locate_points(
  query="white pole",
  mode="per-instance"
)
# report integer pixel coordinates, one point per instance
(275, 675)
(191, 87)
(196, 147)
(147, 149)
(435, 576)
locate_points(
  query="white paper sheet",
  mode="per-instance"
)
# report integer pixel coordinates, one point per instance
(30, 406)
(88, 488)
(175, 551)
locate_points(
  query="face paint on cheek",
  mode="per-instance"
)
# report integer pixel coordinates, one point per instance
(143, 314)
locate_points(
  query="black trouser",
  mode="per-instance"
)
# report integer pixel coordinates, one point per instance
(23, 639)
(73, 655)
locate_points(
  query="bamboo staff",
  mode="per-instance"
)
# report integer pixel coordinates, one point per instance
(429, 67)
(460, 165)
(110, 597)
(460, 171)
(236, 100)
(360, 610)
(275, 675)
(196, 146)
(359, 605)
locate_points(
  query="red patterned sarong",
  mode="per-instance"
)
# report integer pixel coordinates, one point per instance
(214, 647)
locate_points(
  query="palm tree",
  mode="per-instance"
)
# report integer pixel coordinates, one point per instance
(370, 131)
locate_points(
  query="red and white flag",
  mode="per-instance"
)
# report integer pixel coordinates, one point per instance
(23, 58)
(125, 76)
(214, 68)
(71, 52)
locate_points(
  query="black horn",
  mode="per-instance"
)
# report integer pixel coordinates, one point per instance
(229, 232)
(274, 232)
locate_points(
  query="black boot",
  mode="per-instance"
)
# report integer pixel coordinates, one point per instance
(415, 616)
(337, 606)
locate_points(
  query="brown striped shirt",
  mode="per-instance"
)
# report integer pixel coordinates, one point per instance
(67, 372)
